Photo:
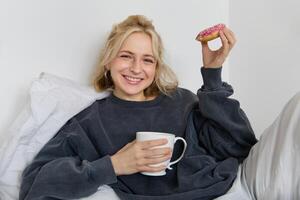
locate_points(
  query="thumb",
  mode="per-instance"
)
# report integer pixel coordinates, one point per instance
(126, 146)
(205, 47)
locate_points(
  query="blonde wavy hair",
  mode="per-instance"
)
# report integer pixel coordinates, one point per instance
(165, 80)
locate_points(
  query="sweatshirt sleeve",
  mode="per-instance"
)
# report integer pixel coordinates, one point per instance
(59, 170)
(222, 126)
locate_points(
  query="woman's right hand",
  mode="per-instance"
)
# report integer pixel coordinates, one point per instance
(215, 59)
(136, 156)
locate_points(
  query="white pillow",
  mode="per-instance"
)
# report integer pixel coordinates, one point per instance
(53, 101)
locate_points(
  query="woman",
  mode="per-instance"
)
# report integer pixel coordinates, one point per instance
(98, 147)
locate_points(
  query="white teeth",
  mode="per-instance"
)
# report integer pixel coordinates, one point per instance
(132, 79)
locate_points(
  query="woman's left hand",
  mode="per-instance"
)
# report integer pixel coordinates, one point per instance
(215, 59)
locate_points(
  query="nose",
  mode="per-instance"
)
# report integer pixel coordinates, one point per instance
(136, 67)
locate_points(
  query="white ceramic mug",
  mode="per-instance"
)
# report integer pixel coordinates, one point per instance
(146, 135)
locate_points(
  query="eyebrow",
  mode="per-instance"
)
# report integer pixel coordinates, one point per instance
(126, 51)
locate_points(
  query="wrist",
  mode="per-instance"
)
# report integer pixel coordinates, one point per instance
(115, 164)
(212, 66)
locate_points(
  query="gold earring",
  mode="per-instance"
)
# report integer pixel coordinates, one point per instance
(105, 74)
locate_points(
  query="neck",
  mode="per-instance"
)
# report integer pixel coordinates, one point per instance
(133, 97)
(139, 97)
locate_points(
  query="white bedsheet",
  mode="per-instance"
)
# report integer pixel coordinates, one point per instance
(53, 100)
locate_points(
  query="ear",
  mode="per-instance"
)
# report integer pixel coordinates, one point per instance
(107, 67)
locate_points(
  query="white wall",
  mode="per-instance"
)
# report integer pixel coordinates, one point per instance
(264, 67)
(64, 37)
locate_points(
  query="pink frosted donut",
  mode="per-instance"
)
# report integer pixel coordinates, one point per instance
(210, 33)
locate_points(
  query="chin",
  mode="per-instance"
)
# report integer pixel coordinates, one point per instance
(133, 91)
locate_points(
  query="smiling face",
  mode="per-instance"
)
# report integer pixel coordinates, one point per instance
(133, 69)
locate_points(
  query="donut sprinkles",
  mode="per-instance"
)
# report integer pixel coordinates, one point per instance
(210, 33)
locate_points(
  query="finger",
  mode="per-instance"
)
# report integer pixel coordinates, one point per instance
(126, 146)
(233, 35)
(158, 152)
(146, 168)
(205, 47)
(204, 44)
(225, 45)
(229, 36)
(153, 143)
(158, 160)
(230, 31)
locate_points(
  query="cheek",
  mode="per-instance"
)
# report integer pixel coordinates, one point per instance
(117, 67)
(151, 72)
(120, 65)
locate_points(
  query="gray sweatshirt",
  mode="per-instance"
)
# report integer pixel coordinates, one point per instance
(76, 161)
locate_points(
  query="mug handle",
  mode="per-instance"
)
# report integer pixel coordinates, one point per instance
(176, 161)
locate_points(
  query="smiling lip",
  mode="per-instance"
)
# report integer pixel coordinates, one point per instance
(132, 80)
